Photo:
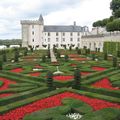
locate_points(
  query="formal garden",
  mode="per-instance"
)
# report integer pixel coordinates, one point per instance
(80, 84)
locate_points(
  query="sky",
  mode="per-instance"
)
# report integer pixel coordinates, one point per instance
(55, 12)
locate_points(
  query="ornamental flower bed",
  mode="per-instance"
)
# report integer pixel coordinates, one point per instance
(73, 56)
(63, 78)
(98, 68)
(35, 74)
(6, 84)
(53, 101)
(16, 70)
(73, 65)
(38, 66)
(104, 83)
(80, 59)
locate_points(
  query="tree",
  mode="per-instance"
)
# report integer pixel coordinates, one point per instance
(77, 78)
(118, 53)
(66, 58)
(105, 56)
(4, 56)
(50, 80)
(1, 65)
(25, 51)
(79, 51)
(16, 56)
(113, 26)
(48, 53)
(114, 61)
(43, 58)
(115, 7)
(93, 56)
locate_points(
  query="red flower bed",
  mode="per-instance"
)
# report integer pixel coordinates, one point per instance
(38, 66)
(73, 65)
(35, 74)
(53, 101)
(104, 83)
(85, 73)
(73, 56)
(6, 84)
(98, 68)
(16, 70)
(80, 59)
(63, 78)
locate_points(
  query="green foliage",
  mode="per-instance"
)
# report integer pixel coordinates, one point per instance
(115, 7)
(1, 65)
(50, 79)
(4, 56)
(105, 56)
(79, 51)
(58, 54)
(25, 52)
(77, 78)
(66, 58)
(113, 26)
(1, 83)
(104, 114)
(48, 53)
(114, 61)
(16, 56)
(93, 56)
(111, 47)
(43, 58)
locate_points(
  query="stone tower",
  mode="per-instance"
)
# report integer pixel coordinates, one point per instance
(32, 33)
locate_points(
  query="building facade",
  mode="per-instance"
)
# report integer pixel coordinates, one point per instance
(40, 36)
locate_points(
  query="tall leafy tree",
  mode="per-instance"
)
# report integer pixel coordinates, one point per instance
(114, 61)
(50, 80)
(77, 78)
(115, 7)
(1, 65)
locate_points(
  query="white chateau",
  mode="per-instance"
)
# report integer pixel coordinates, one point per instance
(40, 36)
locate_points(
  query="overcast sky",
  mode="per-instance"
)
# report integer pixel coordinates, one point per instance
(55, 12)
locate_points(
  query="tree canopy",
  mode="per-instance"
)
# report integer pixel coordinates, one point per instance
(115, 7)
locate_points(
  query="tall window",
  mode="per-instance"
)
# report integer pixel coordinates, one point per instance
(63, 34)
(78, 34)
(71, 34)
(63, 39)
(57, 40)
(71, 39)
(32, 32)
(48, 39)
(78, 39)
(48, 34)
(56, 33)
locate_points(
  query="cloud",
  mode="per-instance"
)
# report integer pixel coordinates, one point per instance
(84, 12)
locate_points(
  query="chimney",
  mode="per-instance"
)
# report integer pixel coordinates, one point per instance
(74, 23)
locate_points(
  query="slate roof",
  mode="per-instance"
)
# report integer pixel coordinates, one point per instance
(71, 28)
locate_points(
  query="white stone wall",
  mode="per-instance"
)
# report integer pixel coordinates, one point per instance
(98, 42)
(62, 39)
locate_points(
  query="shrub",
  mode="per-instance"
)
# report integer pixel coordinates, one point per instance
(43, 58)
(77, 78)
(1, 65)
(114, 61)
(50, 79)
(66, 58)
(1, 83)
(105, 56)
(104, 114)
